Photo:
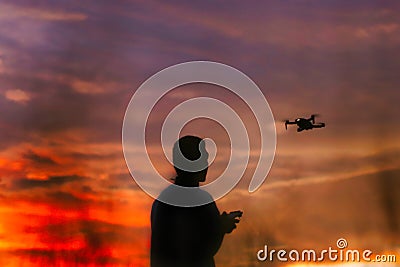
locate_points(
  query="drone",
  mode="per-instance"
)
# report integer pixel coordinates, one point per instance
(305, 124)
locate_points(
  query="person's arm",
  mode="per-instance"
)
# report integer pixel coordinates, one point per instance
(229, 221)
(219, 225)
(216, 229)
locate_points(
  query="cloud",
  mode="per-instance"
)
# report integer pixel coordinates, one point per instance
(92, 87)
(100, 155)
(2, 67)
(121, 181)
(327, 26)
(8, 11)
(378, 29)
(305, 165)
(65, 198)
(17, 95)
(25, 183)
(87, 189)
(86, 87)
(83, 241)
(38, 159)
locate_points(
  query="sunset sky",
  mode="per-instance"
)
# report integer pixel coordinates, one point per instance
(69, 68)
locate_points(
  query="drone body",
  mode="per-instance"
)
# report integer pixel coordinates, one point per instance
(305, 124)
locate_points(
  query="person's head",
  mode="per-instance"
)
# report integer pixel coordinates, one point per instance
(190, 159)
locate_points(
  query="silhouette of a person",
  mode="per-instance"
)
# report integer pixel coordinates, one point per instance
(188, 236)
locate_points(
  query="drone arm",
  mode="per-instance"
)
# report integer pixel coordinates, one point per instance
(289, 122)
(319, 125)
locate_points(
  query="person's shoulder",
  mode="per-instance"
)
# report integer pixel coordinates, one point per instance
(204, 195)
(175, 194)
(166, 193)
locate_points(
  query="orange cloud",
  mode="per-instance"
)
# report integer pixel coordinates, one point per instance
(17, 95)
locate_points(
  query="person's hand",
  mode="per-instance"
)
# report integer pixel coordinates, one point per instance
(229, 221)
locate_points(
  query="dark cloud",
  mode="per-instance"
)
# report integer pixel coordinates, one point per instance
(64, 198)
(87, 189)
(121, 181)
(53, 181)
(93, 156)
(38, 159)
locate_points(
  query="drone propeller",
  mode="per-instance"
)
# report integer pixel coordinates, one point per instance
(286, 123)
(313, 116)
